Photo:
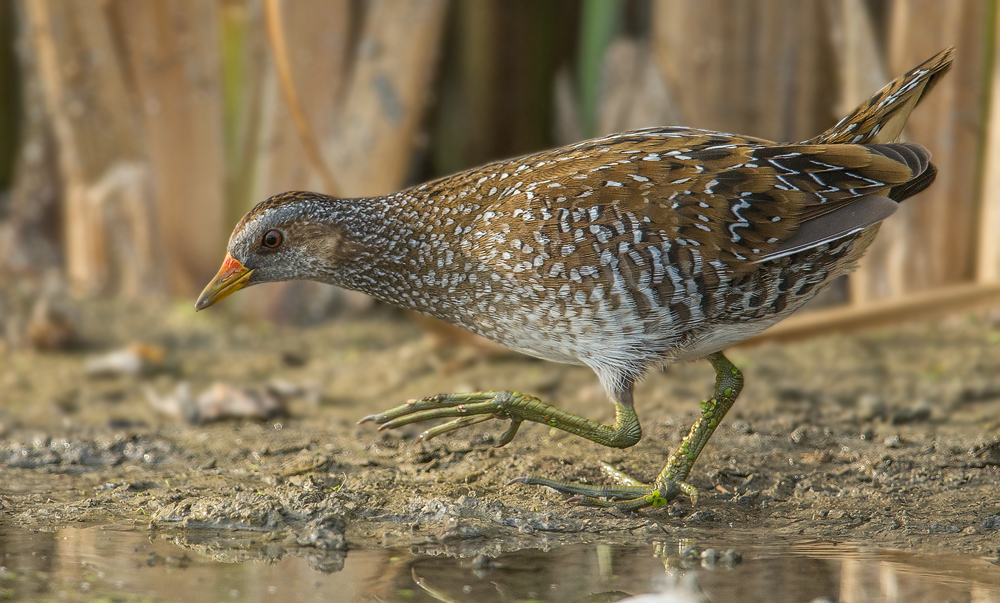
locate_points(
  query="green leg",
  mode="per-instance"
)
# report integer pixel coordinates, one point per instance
(671, 481)
(469, 409)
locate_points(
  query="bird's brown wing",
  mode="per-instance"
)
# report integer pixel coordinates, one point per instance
(650, 194)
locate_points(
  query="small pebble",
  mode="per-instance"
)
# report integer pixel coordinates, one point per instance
(871, 406)
(127, 362)
(704, 515)
(892, 441)
(921, 411)
(294, 358)
(709, 557)
(54, 324)
(730, 558)
(220, 401)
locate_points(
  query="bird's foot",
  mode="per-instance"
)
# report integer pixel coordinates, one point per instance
(630, 495)
(464, 410)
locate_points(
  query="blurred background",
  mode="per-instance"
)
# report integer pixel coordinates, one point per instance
(133, 135)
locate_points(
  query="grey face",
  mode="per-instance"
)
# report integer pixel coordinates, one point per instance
(285, 243)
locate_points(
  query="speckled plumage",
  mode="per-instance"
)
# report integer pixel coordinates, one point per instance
(621, 253)
(618, 253)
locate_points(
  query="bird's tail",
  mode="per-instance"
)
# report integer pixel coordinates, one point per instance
(880, 119)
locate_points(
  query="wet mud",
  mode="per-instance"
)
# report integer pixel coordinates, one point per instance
(886, 439)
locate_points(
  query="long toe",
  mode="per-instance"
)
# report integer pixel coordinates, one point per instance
(650, 498)
(586, 490)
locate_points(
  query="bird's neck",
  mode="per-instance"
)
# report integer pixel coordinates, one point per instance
(398, 253)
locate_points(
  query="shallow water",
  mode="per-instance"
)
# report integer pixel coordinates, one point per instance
(115, 565)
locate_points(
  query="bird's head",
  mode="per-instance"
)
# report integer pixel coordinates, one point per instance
(287, 237)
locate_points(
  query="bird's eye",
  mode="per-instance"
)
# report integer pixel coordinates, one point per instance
(272, 239)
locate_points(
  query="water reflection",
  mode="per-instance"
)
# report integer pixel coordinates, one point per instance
(95, 563)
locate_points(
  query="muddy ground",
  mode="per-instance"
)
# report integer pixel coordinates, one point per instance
(886, 439)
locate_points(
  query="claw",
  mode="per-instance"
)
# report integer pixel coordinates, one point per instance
(691, 491)
(508, 435)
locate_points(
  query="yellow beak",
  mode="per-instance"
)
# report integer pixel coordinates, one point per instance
(231, 278)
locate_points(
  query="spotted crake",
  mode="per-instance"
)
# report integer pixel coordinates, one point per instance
(622, 253)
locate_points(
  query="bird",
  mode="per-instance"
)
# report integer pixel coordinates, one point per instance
(624, 253)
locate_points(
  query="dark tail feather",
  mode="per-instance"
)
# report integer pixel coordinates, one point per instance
(908, 189)
(917, 158)
(914, 156)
